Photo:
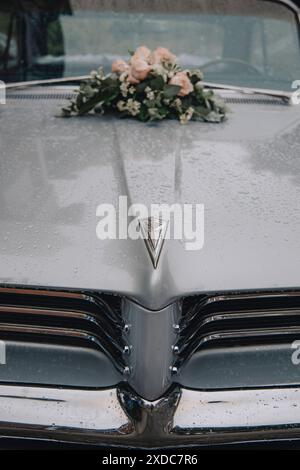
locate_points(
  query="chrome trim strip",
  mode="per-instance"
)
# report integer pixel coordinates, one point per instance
(99, 326)
(42, 292)
(199, 326)
(214, 318)
(238, 416)
(84, 296)
(238, 335)
(61, 414)
(237, 296)
(89, 318)
(286, 96)
(120, 417)
(93, 339)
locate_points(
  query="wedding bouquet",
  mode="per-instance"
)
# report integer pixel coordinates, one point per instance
(150, 86)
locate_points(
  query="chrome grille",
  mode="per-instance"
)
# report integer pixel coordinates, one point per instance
(235, 319)
(76, 318)
(256, 99)
(51, 95)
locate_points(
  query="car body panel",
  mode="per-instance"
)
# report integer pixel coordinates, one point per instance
(55, 172)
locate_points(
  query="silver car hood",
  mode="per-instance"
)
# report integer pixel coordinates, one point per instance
(55, 172)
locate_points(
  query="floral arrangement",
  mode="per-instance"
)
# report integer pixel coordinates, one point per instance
(150, 86)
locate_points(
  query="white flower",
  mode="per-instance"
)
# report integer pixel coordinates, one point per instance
(124, 89)
(147, 89)
(151, 95)
(121, 105)
(177, 103)
(199, 86)
(183, 118)
(187, 116)
(171, 74)
(159, 69)
(133, 107)
(123, 76)
(100, 72)
(131, 90)
(152, 112)
(190, 112)
(94, 74)
(198, 74)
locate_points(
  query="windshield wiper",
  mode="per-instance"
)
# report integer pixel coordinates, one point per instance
(292, 97)
(50, 81)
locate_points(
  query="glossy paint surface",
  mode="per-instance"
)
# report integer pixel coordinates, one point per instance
(55, 172)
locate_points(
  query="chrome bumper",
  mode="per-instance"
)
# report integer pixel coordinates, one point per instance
(117, 417)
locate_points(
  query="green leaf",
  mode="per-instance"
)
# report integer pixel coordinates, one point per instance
(201, 111)
(140, 88)
(144, 115)
(187, 101)
(170, 91)
(157, 83)
(66, 112)
(213, 116)
(109, 82)
(84, 108)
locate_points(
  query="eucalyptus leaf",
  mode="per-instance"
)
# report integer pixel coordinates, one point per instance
(157, 83)
(170, 91)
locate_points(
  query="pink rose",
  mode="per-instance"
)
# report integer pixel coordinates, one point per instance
(119, 66)
(131, 79)
(139, 69)
(162, 55)
(181, 79)
(142, 52)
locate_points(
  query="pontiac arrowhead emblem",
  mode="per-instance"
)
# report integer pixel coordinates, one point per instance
(153, 231)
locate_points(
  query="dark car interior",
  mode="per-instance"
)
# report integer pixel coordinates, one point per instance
(34, 22)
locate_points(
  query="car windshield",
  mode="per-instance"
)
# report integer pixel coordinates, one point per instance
(253, 43)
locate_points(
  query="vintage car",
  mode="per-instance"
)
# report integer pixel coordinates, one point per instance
(140, 342)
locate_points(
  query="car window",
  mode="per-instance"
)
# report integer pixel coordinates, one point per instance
(8, 40)
(249, 43)
(282, 55)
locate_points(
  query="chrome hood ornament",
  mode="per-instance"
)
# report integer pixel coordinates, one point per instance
(153, 231)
